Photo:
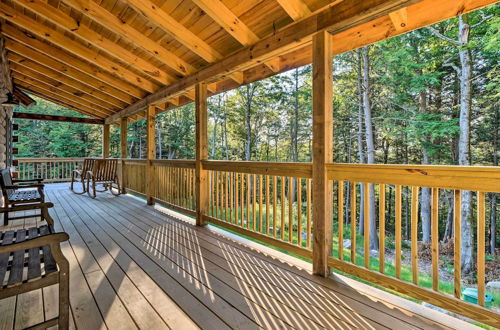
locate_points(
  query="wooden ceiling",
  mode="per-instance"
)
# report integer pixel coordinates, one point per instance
(103, 57)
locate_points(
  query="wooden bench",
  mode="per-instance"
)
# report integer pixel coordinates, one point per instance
(18, 192)
(105, 173)
(81, 175)
(31, 258)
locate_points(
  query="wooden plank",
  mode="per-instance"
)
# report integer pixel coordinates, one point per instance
(414, 234)
(34, 271)
(17, 267)
(105, 140)
(201, 153)
(366, 224)
(353, 222)
(435, 238)
(290, 209)
(322, 152)
(398, 234)
(299, 211)
(381, 224)
(479, 178)
(309, 222)
(282, 204)
(275, 204)
(481, 224)
(340, 218)
(36, 116)
(302, 170)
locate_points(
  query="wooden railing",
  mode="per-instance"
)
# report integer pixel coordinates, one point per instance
(377, 182)
(271, 202)
(263, 201)
(49, 169)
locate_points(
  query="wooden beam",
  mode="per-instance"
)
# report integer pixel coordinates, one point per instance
(322, 152)
(105, 140)
(202, 193)
(296, 9)
(151, 152)
(69, 64)
(49, 73)
(71, 25)
(44, 90)
(85, 105)
(111, 22)
(76, 48)
(23, 98)
(67, 119)
(399, 19)
(223, 16)
(334, 19)
(35, 76)
(52, 98)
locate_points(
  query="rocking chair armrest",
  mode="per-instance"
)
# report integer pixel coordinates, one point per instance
(36, 242)
(26, 207)
(90, 174)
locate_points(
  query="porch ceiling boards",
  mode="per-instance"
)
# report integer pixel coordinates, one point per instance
(133, 266)
(110, 59)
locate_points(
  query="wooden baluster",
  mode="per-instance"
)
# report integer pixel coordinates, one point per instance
(231, 198)
(290, 209)
(340, 212)
(397, 237)
(267, 205)
(236, 199)
(366, 218)
(299, 211)
(275, 202)
(480, 247)
(226, 196)
(242, 196)
(381, 218)
(248, 201)
(282, 231)
(261, 194)
(435, 238)
(353, 222)
(309, 223)
(254, 207)
(457, 242)
(414, 234)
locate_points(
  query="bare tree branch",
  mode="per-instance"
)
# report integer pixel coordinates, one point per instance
(443, 37)
(482, 21)
(456, 68)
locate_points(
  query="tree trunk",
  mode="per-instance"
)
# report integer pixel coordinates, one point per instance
(370, 145)
(425, 200)
(464, 142)
(158, 135)
(360, 139)
(448, 232)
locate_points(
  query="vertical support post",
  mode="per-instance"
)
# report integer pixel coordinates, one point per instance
(322, 152)
(151, 152)
(105, 140)
(201, 153)
(123, 151)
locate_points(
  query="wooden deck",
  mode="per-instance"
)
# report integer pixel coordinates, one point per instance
(135, 266)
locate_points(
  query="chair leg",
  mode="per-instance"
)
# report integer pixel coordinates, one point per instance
(64, 295)
(6, 218)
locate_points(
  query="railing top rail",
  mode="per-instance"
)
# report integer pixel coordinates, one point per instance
(185, 163)
(48, 159)
(295, 169)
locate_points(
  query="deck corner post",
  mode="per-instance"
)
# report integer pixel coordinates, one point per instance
(123, 155)
(322, 152)
(105, 140)
(201, 153)
(151, 152)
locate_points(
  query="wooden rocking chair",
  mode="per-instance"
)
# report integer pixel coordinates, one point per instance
(105, 173)
(80, 175)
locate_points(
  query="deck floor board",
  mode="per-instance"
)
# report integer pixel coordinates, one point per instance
(136, 266)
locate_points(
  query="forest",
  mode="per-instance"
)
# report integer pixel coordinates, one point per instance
(427, 97)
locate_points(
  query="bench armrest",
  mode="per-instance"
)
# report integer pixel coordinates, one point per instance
(50, 239)
(26, 207)
(26, 180)
(41, 185)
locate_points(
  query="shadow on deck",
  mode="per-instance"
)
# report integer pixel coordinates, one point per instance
(135, 266)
